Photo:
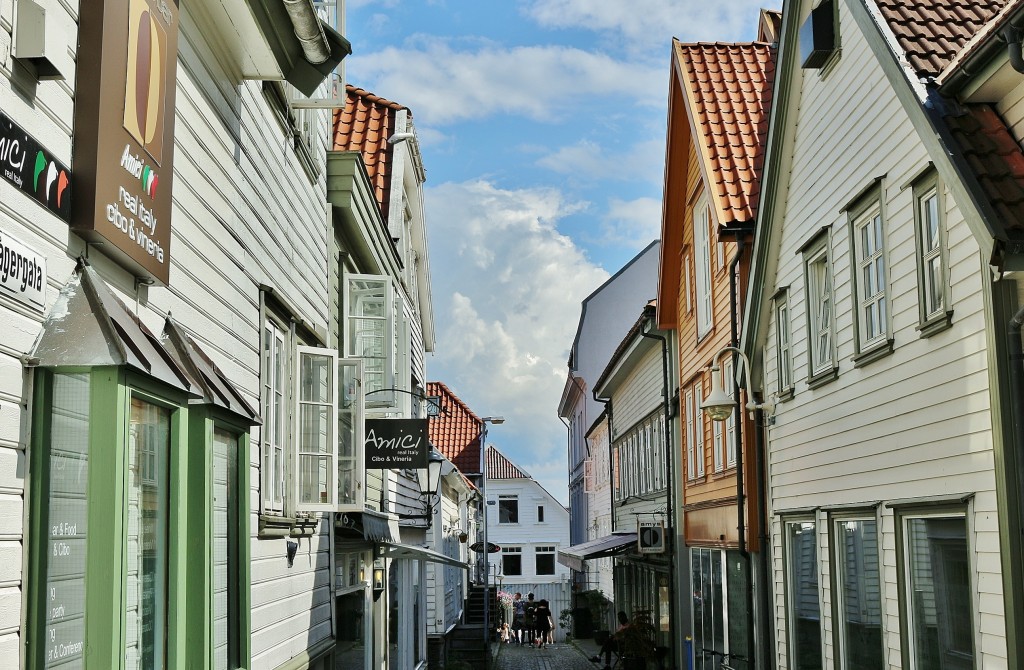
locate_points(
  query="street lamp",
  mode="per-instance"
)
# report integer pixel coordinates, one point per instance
(720, 406)
(497, 421)
(428, 479)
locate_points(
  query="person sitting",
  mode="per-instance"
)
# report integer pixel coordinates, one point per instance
(611, 645)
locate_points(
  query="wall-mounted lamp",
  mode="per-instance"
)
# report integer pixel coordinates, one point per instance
(400, 137)
(720, 405)
(378, 582)
(429, 479)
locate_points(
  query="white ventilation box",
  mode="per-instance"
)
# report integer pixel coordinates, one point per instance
(36, 40)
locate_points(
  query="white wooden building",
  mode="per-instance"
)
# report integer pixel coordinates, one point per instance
(867, 327)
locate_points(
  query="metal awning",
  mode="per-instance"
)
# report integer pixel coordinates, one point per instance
(373, 526)
(609, 545)
(410, 551)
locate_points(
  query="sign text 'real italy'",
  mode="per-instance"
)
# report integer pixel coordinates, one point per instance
(396, 443)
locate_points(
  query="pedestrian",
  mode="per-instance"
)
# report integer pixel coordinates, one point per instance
(612, 645)
(530, 619)
(518, 618)
(544, 624)
(505, 633)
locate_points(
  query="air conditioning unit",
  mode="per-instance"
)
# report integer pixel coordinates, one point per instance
(650, 537)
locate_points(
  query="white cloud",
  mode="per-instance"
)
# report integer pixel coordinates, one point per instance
(443, 84)
(589, 160)
(631, 223)
(507, 288)
(646, 24)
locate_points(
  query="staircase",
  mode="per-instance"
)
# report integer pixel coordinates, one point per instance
(466, 642)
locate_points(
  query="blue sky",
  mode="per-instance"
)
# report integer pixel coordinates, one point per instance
(542, 126)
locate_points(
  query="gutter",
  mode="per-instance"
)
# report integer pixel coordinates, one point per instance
(1007, 37)
(308, 30)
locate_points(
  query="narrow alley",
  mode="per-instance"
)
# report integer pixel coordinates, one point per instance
(560, 656)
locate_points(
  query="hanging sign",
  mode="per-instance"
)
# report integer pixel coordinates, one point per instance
(33, 170)
(124, 130)
(393, 444)
(478, 547)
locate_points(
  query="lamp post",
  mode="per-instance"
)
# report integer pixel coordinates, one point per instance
(720, 406)
(496, 420)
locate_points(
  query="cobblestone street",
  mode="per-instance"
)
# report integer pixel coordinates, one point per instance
(561, 656)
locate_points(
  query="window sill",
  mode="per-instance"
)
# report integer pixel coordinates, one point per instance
(880, 350)
(822, 378)
(935, 325)
(785, 395)
(273, 526)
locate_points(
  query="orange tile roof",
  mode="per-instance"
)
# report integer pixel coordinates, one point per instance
(455, 432)
(500, 467)
(932, 32)
(728, 89)
(364, 125)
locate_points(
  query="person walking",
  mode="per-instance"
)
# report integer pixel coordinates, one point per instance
(543, 623)
(518, 618)
(530, 618)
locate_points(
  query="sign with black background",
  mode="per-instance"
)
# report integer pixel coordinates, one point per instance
(396, 444)
(33, 170)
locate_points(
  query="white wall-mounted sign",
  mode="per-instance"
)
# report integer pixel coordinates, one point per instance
(22, 272)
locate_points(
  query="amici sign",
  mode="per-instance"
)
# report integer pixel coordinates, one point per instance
(32, 169)
(124, 131)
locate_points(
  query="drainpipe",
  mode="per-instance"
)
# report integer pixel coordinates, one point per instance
(740, 498)
(308, 30)
(667, 432)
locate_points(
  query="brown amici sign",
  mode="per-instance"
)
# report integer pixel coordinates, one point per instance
(124, 130)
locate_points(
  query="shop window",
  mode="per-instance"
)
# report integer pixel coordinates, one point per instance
(803, 608)
(936, 593)
(719, 609)
(857, 600)
(512, 561)
(545, 560)
(508, 509)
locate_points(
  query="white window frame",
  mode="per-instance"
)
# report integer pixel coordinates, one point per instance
(730, 422)
(698, 395)
(358, 503)
(330, 403)
(274, 433)
(935, 310)
(691, 437)
(871, 279)
(820, 309)
(688, 284)
(588, 475)
(505, 498)
(377, 394)
(545, 550)
(702, 264)
(783, 344)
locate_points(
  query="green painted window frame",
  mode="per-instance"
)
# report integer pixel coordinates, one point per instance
(189, 596)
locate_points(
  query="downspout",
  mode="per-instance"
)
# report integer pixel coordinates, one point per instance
(1012, 36)
(668, 475)
(741, 529)
(308, 30)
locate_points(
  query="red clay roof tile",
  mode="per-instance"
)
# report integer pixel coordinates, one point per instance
(364, 125)
(500, 467)
(932, 32)
(729, 89)
(455, 432)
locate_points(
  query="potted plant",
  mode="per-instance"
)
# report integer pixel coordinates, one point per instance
(637, 641)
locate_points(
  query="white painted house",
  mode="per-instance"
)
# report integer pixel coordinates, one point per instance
(867, 325)
(530, 526)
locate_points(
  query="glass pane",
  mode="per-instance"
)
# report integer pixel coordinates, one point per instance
(859, 599)
(367, 297)
(316, 378)
(64, 593)
(739, 617)
(314, 485)
(148, 510)
(225, 550)
(934, 279)
(940, 593)
(803, 605)
(316, 429)
(348, 417)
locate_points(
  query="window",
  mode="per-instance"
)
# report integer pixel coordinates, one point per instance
(857, 599)
(820, 315)
(508, 509)
(869, 277)
(932, 270)
(698, 398)
(588, 475)
(691, 437)
(936, 593)
(540, 513)
(803, 602)
(641, 455)
(301, 439)
(702, 249)
(783, 344)
(512, 561)
(545, 560)
(719, 609)
(730, 422)
(687, 284)
(370, 336)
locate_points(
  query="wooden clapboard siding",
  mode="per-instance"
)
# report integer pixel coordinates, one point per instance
(915, 423)
(640, 391)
